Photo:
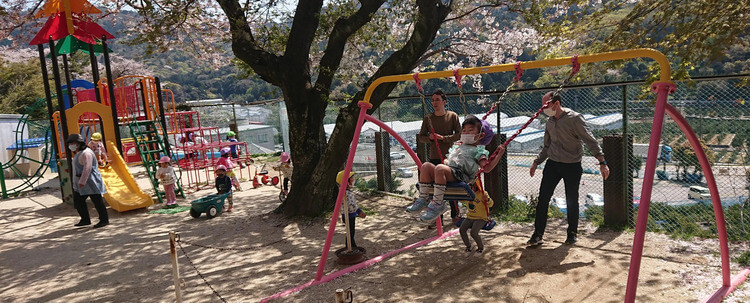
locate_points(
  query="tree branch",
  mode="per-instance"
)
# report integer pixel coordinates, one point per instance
(431, 15)
(342, 30)
(471, 11)
(246, 48)
(301, 35)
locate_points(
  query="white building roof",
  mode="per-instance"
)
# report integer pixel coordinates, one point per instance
(604, 120)
(225, 130)
(525, 137)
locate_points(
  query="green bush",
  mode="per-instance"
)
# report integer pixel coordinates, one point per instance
(743, 259)
(689, 221)
(519, 211)
(371, 185)
(595, 214)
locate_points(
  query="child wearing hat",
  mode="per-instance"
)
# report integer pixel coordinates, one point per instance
(286, 169)
(165, 174)
(352, 211)
(224, 184)
(231, 137)
(229, 165)
(95, 144)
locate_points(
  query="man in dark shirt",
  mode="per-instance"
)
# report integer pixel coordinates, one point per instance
(564, 134)
(447, 132)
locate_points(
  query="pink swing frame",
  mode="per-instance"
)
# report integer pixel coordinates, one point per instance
(663, 88)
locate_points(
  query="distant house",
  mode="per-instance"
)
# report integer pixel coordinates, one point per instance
(605, 122)
(407, 130)
(530, 140)
(254, 113)
(259, 137)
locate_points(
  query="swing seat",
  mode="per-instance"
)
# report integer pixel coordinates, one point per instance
(455, 191)
(487, 226)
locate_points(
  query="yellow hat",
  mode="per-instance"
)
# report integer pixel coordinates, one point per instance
(96, 136)
(340, 176)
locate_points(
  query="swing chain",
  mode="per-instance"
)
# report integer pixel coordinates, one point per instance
(516, 79)
(460, 86)
(573, 72)
(429, 120)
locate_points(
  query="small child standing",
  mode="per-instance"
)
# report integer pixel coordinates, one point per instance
(95, 144)
(165, 174)
(286, 169)
(231, 137)
(476, 217)
(224, 184)
(229, 164)
(351, 205)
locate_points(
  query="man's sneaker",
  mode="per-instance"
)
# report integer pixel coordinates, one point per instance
(434, 210)
(572, 239)
(535, 240)
(480, 250)
(468, 249)
(419, 205)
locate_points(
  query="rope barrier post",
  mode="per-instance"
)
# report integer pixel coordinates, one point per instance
(175, 269)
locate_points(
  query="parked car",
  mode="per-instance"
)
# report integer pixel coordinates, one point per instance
(699, 193)
(413, 147)
(561, 204)
(521, 198)
(404, 172)
(397, 155)
(636, 200)
(593, 199)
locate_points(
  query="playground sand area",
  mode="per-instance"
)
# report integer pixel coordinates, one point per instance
(253, 253)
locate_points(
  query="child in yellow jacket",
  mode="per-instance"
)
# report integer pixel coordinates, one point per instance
(476, 217)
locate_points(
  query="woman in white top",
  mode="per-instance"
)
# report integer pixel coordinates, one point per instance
(87, 182)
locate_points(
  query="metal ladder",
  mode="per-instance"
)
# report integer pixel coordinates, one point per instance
(151, 147)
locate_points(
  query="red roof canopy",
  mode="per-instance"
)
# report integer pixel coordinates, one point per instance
(84, 29)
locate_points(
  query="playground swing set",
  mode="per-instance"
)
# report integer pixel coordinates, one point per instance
(663, 87)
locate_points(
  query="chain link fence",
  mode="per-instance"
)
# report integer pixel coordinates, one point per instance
(716, 108)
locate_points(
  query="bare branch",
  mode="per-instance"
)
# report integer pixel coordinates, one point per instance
(343, 29)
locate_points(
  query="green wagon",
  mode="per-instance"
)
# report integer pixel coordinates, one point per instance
(212, 205)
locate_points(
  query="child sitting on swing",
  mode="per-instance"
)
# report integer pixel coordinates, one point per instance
(476, 217)
(462, 165)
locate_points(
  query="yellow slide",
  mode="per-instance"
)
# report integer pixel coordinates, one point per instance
(123, 193)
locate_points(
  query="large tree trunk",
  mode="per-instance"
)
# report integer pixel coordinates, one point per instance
(316, 161)
(315, 171)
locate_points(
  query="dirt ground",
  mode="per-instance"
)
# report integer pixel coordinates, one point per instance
(252, 253)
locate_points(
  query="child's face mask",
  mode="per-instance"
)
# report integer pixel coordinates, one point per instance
(73, 147)
(470, 134)
(468, 138)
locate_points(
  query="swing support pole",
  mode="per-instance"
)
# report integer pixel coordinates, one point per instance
(663, 87)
